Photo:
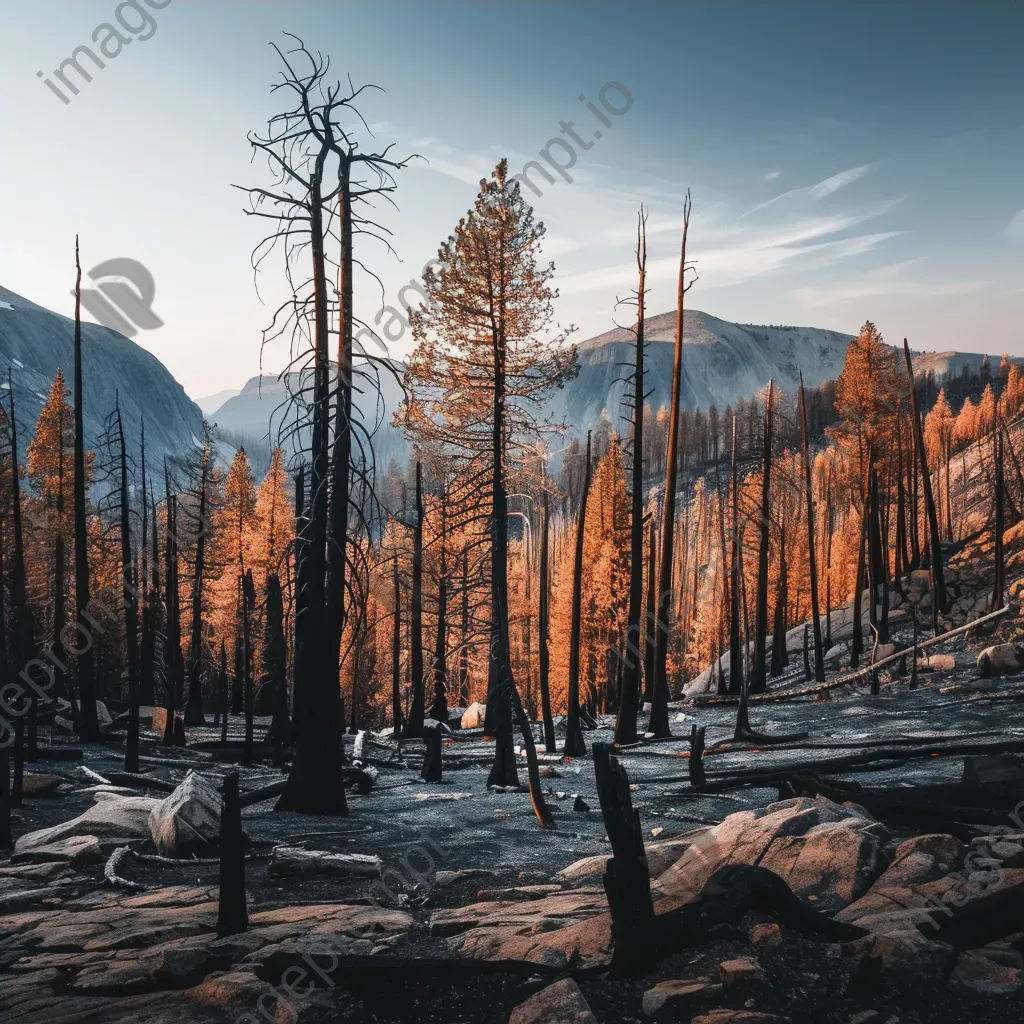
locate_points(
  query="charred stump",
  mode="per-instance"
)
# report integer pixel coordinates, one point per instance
(232, 914)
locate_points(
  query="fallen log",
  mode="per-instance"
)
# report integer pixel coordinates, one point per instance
(979, 921)
(140, 782)
(862, 674)
(110, 874)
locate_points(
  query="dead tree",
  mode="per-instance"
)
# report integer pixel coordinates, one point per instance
(659, 695)
(396, 658)
(758, 681)
(574, 745)
(543, 626)
(439, 707)
(194, 707)
(88, 726)
(232, 913)
(276, 661)
(651, 616)
(223, 690)
(319, 180)
(999, 516)
(935, 548)
(819, 658)
(129, 595)
(780, 656)
(174, 665)
(414, 726)
(629, 696)
(148, 567)
(857, 642)
(248, 608)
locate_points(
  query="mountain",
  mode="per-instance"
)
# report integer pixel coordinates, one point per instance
(211, 403)
(34, 342)
(263, 413)
(722, 362)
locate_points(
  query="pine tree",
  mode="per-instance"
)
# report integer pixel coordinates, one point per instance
(484, 359)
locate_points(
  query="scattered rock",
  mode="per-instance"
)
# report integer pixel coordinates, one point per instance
(739, 1017)
(443, 878)
(112, 817)
(937, 663)
(767, 934)
(188, 821)
(521, 892)
(579, 804)
(678, 997)
(992, 972)
(548, 771)
(560, 1003)
(473, 716)
(1000, 660)
(73, 850)
(40, 783)
(292, 862)
(660, 857)
(742, 971)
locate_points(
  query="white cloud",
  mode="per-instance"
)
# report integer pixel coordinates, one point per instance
(1016, 225)
(821, 189)
(772, 175)
(888, 280)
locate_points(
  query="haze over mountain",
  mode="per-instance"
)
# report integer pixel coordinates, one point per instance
(35, 342)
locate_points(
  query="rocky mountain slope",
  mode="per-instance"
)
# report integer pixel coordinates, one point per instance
(35, 342)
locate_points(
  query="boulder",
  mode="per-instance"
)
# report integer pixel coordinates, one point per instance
(473, 716)
(188, 820)
(103, 716)
(112, 817)
(739, 1017)
(990, 971)
(766, 934)
(678, 997)
(40, 783)
(1001, 660)
(660, 857)
(560, 1003)
(743, 971)
(74, 850)
(292, 862)
(828, 853)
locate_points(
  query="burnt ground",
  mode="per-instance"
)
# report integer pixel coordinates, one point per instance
(418, 829)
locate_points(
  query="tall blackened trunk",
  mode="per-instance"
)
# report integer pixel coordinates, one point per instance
(414, 727)
(629, 698)
(543, 616)
(222, 689)
(878, 560)
(88, 723)
(659, 696)
(758, 680)
(935, 549)
(248, 608)
(999, 576)
(147, 656)
(276, 661)
(574, 745)
(780, 657)
(439, 708)
(194, 710)
(812, 563)
(735, 648)
(857, 642)
(173, 661)
(299, 600)
(396, 657)
(651, 613)
(129, 594)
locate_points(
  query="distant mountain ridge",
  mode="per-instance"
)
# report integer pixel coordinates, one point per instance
(35, 342)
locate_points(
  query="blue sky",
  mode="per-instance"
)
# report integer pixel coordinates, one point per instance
(846, 162)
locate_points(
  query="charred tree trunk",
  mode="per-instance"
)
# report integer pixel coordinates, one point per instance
(939, 594)
(232, 914)
(780, 657)
(857, 641)
(173, 661)
(735, 650)
(223, 691)
(131, 614)
(999, 580)
(574, 745)
(248, 606)
(629, 698)
(879, 574)
(276, 658)
(819, 658)
(194, 709)
(543, 654)
(659, 697)
(147, 654)
(651, 617)
(414, 727)
(299, 600)
(758, 680)
(396, 658)
(439, 708)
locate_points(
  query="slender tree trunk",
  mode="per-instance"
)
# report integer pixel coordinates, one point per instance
(439, 708)
(574, 745)
(651, 616)
(758, 682)
(248, 605)
(194, 709)
(926, 485)
(396, 658)
(544, 655)
(735, 651)
(659, 698)
(629, 699)
(276, 658)
(223, 689)
(779, 658)
(819, 658)
(857, 642)
(88, 724)
(414, 727)
(131, 614)
(999, 578)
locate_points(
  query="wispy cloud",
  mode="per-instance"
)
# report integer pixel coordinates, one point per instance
(772, 175)
(891, 279)
(1016, 226)
(819, 190)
